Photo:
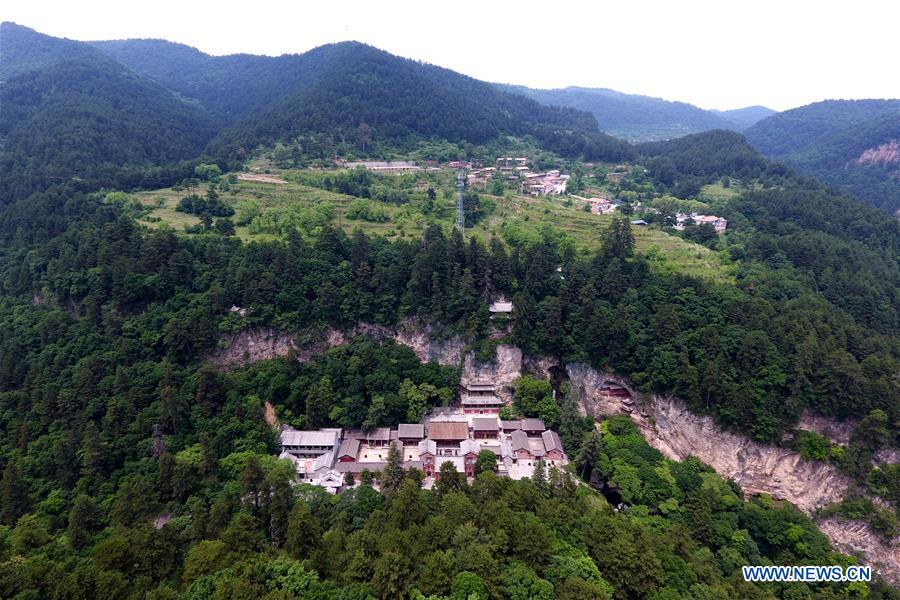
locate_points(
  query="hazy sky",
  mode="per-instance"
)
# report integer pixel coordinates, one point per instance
(713, 53)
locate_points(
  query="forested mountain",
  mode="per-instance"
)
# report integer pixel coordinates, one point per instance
(365, 95)
(346, 93)
(132, 467)
(641, 118)
(23, 49)
(231, 87)
(843, 143)
(88, 119)
(746, 117)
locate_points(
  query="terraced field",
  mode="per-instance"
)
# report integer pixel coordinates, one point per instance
(525, 214)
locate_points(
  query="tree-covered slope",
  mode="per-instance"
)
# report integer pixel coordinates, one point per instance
(746, 117)
(843, 143)
(795, 130)
(359, 93)
(88, 119)
(92, 122)
(23, 49)
(231, 87)
(630, 116)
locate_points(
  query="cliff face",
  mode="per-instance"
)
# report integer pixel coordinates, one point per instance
(666, 423)
(889, 152)
(678, 433)
(758, 468)
(854, 537)
(252, 345)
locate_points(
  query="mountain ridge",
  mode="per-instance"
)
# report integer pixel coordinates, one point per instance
(826, 139)
(640, 118)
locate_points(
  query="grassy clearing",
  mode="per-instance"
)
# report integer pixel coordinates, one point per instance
(407, 221)
(718, 192)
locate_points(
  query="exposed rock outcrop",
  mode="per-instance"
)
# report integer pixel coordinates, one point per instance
(503, 370)
(855, 537)
(445, 352)
(838, 432)
(252, 345)
(672, 429)
(678, 433)
(889, 152)
(666, 423)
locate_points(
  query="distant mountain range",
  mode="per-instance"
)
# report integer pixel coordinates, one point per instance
(89, 110)
(851, 145)
(643, 118)
(84, 109)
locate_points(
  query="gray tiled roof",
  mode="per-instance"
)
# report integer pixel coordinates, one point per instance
(519, 440)
(407, 431)
(552, 441)
(533, 425)
(349, 447)
(484, 424)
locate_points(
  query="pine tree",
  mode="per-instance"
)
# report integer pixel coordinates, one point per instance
(365, 477)
(392, 475)
(252, 480)
(303, 532)
(539, 477)
(277, 507)
(84, 521)
(14, 495)
(166, 467)
(618, 240)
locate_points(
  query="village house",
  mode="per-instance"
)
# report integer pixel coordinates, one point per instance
(544, 184)
(718, 223)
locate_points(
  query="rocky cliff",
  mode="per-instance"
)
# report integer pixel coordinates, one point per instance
(889, 152)
(855, 537)
(666, 423)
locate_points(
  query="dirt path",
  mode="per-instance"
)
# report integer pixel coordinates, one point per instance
(261, 178)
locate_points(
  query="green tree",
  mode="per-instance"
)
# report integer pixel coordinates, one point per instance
(392, 574)
(872, 432)
(468, 586)
(225, 226)
(392, 475)
(303, 532)
(252, 477)
(521, 583)
(84, 521)
(14, 495)
(497, 186)
(485, 462)
(415, 400)
(618, 239)
(449, 479)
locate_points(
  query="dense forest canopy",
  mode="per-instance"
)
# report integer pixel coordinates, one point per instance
(95, 123)
(826, 140)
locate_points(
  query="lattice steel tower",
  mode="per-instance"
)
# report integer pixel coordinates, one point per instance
(460, 210)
